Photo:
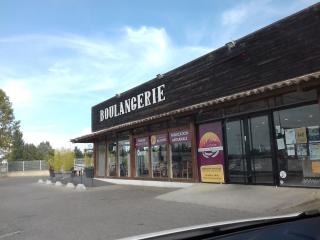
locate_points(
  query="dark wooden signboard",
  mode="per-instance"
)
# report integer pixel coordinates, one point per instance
(285, 49)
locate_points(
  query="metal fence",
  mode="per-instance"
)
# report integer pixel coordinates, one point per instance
(34, 165)
(3, 168)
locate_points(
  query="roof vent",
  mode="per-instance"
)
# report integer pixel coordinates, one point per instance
(159, 76)
(231, 45)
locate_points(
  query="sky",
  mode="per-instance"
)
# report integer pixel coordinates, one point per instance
(58, 58)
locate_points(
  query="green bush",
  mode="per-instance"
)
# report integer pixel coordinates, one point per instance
(62, 160)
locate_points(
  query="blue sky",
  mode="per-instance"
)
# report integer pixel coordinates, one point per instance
(60, 57)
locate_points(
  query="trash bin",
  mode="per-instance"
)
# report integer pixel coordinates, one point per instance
(89, 172)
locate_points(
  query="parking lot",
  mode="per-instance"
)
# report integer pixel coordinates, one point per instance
(29, 210)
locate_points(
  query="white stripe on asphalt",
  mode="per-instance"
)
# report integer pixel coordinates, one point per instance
(9, 234)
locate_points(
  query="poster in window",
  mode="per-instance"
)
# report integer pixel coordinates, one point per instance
(160, 139)
(210, 152)
(314, 149)
(315, 166)
(212, 173)
(280, 144)
(301, 135)
(302, 150)
(314, 134)
(291, 150)
(290, 136)
(142, 142)
(180, 136)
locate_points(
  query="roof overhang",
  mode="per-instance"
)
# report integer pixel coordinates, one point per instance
(311, 79)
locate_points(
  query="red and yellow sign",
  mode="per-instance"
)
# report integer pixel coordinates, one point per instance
(210, 152)
(212, 173)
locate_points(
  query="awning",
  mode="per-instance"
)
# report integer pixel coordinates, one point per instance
(297, 81)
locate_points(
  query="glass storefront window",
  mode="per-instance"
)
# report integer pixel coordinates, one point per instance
(112, 159)
(298, 145)
(159, 155)
(181, 154)
(124, 158)
(142, 157)
(236, 162)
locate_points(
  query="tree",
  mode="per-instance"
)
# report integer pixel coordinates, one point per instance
(77, 152)
(45, 150)
(17, 148)
(7, 124)
(30, 152)
(62, 160)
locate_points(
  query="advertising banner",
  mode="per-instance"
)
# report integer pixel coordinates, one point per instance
(210, 152)
(159, 139)
(142, 142)
(180, 136)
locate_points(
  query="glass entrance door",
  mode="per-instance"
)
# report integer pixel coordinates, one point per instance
(249, 150)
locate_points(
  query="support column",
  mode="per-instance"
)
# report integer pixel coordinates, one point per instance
(193, 132)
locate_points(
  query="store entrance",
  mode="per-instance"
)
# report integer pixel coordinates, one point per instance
(249, 155)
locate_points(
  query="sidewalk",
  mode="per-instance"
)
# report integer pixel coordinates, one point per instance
(43, 173)
(258, 199)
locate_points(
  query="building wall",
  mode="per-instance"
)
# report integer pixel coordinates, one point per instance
(281, 102)
(283, 50)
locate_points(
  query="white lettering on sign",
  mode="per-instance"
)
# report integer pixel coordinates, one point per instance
(142, 100)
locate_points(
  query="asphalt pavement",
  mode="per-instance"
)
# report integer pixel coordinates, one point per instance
(29, 210)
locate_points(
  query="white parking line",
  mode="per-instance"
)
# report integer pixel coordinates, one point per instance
(9, 234)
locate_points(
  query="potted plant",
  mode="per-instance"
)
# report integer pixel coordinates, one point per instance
(51, 167)
(89, 169)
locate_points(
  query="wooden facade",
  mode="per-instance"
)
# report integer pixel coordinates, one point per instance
(283, 50)
(286, 52)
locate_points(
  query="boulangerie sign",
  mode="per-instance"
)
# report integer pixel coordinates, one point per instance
(144, 99)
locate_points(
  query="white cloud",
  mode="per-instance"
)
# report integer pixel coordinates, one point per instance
(18, 92)
(57, 140)
(245, 17)
(53, 70)
(235, 16)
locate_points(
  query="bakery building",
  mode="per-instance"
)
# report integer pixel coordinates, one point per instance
(248, 112)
